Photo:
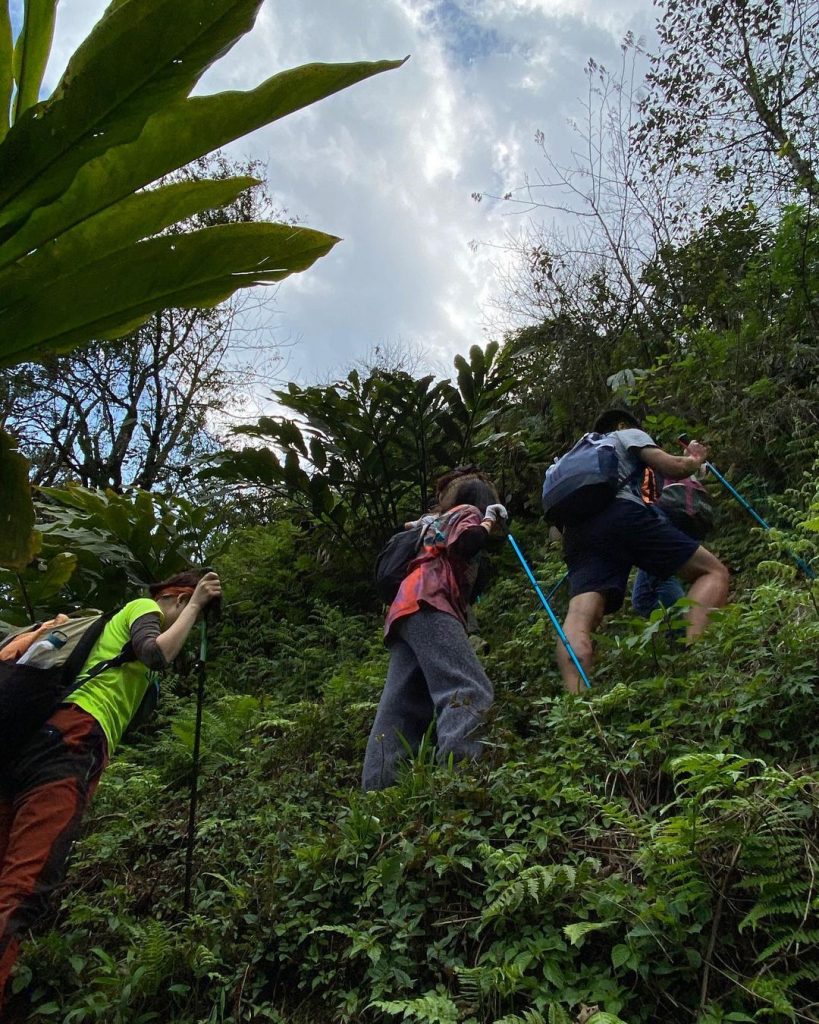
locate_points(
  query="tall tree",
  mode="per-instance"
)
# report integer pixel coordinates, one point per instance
(613, 215)
(733, 93)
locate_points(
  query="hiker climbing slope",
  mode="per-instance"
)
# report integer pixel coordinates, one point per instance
(434, 673)
(601, 549)
(47, 783)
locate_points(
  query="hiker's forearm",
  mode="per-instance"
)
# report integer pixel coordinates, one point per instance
(470, 542)
(677, 467)
(171, 642)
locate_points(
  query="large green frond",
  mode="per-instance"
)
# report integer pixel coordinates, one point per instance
(179, 134)
(140, 57)
(116, 293)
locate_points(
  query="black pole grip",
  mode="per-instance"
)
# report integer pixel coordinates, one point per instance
(213, 609)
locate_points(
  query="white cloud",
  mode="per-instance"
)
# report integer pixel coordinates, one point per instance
(389, 164)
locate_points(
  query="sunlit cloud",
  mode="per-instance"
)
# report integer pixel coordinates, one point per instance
(390, 164)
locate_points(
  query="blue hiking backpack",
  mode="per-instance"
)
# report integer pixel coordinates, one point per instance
(581, 482)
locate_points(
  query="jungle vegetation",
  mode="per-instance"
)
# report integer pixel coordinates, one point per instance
(644, 852)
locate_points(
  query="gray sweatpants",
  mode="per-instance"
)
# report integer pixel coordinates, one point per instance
(433, 673)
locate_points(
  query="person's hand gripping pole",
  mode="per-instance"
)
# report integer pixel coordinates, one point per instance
(691, 449)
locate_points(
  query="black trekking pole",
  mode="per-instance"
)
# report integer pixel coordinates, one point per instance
(197, 742)
(803, 565)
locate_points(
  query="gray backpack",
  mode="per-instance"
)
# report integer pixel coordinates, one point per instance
(31, 691)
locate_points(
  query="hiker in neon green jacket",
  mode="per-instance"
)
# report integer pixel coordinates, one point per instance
(45, 790)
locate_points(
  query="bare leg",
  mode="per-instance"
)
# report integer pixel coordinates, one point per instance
(582, 620)
(709, 581)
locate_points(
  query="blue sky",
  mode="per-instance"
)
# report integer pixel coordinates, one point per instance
(390, 164)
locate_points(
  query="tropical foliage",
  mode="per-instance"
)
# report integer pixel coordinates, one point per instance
(361, 456)
(82, 218)
(77, 218)
(95, 547)
(641, 855)
(644, 852)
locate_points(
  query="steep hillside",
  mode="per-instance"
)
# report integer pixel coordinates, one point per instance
(647, 852)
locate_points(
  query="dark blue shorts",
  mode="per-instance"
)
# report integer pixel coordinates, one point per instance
(600, 553)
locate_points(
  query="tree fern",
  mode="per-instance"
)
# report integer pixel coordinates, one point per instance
(430, 1008)
(531, 887)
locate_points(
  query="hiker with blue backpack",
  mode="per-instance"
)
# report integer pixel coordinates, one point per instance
(427, 573)
(593, 494)
(50, 768)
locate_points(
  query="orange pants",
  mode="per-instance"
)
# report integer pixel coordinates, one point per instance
(43, 795)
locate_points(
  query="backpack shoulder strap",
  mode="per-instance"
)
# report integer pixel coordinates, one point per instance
(651, 487)
(635, 475)
(78, 657)
(124, 656)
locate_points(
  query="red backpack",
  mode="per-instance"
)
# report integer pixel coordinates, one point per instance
(686, 502)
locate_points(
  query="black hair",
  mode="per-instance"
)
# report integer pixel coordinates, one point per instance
(609, 418)
(444, 481)
(472, 489)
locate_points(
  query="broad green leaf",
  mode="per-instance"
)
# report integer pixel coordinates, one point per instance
(43, 587)
(318, 456)
(184, 131)
(135, 217)
(294, 475)
(465, 382)
(140, 57)
(32, 50)
(340, 514)
(620, 955)
(321, 495)
(6, 67)
(18, 541)
(196, 269)
(77, 497)
(260, 465)
(289, 434)
(477, 364)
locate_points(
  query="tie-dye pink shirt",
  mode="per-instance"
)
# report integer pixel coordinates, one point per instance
(438, 578)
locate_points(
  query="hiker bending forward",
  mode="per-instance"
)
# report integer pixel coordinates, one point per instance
(45, 789)
(601, 551)
(434, 673)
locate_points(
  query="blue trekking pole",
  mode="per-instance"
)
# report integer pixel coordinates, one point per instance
(563, 638)
(803, 565)
(557, 586)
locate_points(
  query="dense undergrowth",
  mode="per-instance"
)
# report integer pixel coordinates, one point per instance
(648, 850)
(643, 853)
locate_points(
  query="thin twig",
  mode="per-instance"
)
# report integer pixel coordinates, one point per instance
(712, 940)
